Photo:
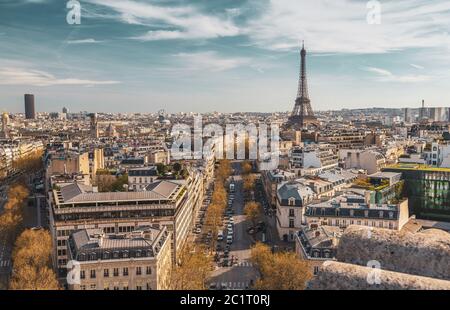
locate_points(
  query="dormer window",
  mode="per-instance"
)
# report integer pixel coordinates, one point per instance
(366, 213)
(138, 253)
(291, 201)
(125, 254)
(106, 255)
(391, 215)
(116, 254)
(381, 214)
(352, 213)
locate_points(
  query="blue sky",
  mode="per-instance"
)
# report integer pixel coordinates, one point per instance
(222, 55)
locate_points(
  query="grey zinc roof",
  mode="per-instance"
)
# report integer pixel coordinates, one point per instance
(294, 190)
(73, 190)
(163, 188)
(79, 193)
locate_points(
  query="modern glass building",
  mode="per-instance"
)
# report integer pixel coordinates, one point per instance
(428, 190)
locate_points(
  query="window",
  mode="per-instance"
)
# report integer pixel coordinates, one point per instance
(82, 274)
(149, 288)
(291, 223)
(92, 274)
(292, 212)
(83, 287)
(93, 286)
(138, 271)
(139, 288)
(125, 271)
(106, 273)
(148, 270)
(116, 288)
(125, 288)
(291, 201)
(116, 272)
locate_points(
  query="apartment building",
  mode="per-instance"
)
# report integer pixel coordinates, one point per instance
(77, 206)
(292, 198)
(271, 179)
(140, 178)
(369, 160)
(344, 139)
(352, 209)
(138, 260)
(317, 157)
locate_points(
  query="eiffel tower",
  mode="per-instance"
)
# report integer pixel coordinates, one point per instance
(303, 115)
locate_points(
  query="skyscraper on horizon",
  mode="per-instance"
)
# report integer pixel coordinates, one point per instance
(5, 122)
(302, 115)
(30, 112)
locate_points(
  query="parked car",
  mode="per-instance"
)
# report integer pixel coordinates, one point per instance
(220, 236)
(230, 239)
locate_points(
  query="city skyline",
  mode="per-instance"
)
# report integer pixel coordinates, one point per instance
(143, 56)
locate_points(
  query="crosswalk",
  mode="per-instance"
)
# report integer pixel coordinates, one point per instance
(245, 264)
(5, 263)
(232, 285)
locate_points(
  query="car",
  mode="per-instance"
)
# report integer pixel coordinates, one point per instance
(218, 248)
(231, 220)
(227, 248)
(220, 236)
(198, 230)
(213, 286)
(230, 226)
(229, 239)
(225, 263)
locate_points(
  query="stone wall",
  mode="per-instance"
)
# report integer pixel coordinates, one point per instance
(341, 276)
(425, 253)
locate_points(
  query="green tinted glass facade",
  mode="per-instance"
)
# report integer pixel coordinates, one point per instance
(428, 191)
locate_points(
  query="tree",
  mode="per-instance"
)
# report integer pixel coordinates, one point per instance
(280, 271)
(118, 185)
(11, 220)
(252, 211)
(247, 167)
(161, 168)
(193, 269)
(32, 262)
(177, 168)
(249, 182)
(224, 170)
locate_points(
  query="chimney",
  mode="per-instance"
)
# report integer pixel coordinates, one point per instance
(100, 240)
(423, 103)
(317, 234)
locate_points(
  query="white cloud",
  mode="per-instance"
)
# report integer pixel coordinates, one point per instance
(387, 76)
(341, 25)
(83, 41)
(417, 66)
(31, 77)
(208, 61)
(185, 22)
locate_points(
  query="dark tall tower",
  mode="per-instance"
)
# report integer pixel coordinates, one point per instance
(30, 113)
(303, 114)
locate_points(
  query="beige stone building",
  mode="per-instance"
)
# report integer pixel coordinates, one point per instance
(140, 260)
